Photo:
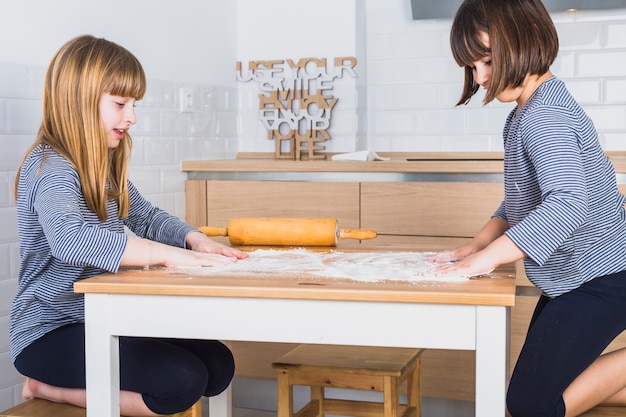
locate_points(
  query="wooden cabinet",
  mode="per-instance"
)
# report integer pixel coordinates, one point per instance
(214, 203)
(431, 204)
(431, 209)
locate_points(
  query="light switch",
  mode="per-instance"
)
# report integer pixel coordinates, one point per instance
(186, 99)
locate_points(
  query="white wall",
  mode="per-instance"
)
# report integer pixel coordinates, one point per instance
(413, 82)
(291, 29)
(410, 81)
(402, 99)
(191, 40)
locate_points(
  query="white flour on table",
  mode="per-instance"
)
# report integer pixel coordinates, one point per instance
(357, 266)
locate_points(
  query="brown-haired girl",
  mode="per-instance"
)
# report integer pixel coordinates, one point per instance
(562, 213)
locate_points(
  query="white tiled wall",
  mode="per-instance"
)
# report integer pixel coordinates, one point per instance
(19, 110)
(412, 85)
(413, 82)
(164, 136)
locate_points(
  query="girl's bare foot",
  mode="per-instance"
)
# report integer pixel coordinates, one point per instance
(37, 389)
(27, 390)
(132, 403)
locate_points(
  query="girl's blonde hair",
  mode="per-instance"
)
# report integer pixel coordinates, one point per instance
(81, 72)
(522, 37)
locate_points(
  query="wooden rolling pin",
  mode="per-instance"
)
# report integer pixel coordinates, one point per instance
(285, 232)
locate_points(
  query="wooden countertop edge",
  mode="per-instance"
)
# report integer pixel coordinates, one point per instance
(392, 155)
(479, 162)
(426, 166)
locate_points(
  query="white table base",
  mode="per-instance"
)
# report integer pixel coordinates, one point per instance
(484, 329)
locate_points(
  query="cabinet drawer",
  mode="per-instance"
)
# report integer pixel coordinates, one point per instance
(448, 209)
(230, 199)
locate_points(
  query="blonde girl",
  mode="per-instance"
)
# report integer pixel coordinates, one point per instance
(74, 201)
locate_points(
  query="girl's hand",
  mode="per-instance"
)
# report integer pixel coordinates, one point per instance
(473, 261)
(453, 255)
(199, 242)
(184, 257)
(491, 231)
(469, 266)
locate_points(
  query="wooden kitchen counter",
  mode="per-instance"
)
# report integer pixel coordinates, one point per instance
(425, 201)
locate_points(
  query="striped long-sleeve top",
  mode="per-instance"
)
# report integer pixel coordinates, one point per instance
(62, 241)
(561, 198)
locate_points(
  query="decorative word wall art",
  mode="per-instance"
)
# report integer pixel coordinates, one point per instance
(296, 103)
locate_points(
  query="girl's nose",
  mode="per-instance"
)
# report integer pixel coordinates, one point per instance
(131, 117)
(482, 74)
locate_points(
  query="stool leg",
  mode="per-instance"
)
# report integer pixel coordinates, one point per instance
(194, 411)
(317, 394)
(414, 398)
(391, 401)
(285, 395)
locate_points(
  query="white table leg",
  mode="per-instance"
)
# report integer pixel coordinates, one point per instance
(492, 360)
(221, 405)
(102, 359)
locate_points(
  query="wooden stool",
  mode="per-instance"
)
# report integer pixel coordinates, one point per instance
(351, 367)
(43, 408)
(605, 412)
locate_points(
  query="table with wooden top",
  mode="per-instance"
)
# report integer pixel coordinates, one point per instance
(295, 308)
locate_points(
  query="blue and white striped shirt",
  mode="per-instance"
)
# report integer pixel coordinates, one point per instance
(62, 241)
(561, 198)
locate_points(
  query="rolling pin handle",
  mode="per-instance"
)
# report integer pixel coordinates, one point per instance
(214, 231)
(360, 234)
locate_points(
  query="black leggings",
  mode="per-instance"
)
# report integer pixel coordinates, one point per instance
(565, 336)
(171, 374)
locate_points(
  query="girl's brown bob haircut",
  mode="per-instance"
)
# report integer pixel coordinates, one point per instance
(523, 41)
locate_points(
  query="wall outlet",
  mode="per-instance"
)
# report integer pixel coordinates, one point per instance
(185, 99)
